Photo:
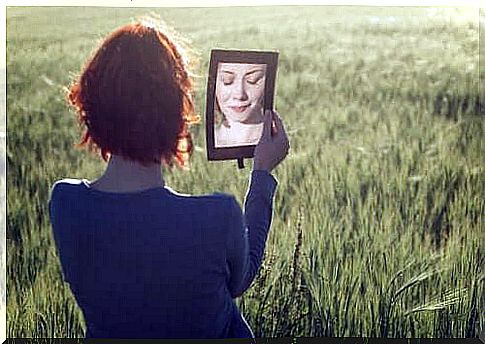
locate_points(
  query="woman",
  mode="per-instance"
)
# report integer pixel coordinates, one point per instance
(239, 97)
(142, 260)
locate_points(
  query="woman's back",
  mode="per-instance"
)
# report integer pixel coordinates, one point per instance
(155, 263)
(153, 259)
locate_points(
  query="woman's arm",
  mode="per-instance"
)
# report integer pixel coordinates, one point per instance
(249, 232)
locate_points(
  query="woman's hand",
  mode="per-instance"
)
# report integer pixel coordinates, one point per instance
(273, 145)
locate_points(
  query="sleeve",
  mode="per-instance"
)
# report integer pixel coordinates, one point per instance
(249, 231)
(54, 219)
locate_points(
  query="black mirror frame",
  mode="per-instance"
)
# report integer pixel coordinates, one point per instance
(270, 58)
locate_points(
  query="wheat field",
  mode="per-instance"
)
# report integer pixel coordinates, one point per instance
(378, 225)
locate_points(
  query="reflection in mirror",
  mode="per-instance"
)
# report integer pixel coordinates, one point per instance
(239, 104)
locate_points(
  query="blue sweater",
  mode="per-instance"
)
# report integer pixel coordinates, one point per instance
(159, 264)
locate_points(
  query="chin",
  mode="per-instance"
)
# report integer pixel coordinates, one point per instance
(252, 118)
(237, 119)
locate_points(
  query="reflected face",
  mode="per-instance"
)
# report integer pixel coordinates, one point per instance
(240, 90)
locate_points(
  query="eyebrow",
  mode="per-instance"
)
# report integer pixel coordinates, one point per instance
(248, 73)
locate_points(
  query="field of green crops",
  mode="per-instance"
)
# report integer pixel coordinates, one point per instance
(378, 223)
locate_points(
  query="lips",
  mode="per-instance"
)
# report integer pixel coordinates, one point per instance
(239, 109)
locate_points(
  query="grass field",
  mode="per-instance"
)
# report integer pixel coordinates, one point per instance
(379, 215)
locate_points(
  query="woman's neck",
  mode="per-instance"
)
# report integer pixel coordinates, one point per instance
(127, 175)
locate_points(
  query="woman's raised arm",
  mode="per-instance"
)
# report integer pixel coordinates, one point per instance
(249, 232)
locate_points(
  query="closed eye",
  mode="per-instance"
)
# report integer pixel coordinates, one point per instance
(253, 80)
(227, 79)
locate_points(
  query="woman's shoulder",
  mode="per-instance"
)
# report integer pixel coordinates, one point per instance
(220, 135)
(71, 187)
(68, 181)
(225, 136)
(209, 198)
(65, 183)
(60, 191)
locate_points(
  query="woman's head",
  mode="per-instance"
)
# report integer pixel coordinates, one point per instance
(134, 97)
(240, 91)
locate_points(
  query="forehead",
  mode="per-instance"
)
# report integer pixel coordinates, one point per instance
(240, 68)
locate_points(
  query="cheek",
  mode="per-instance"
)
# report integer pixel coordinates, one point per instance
(222, 93)
(256, 93)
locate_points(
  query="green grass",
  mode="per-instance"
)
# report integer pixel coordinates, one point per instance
(378, 219)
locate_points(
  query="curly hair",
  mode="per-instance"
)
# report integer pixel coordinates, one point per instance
(134, 97)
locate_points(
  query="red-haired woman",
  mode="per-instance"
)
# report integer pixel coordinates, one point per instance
(142, 260)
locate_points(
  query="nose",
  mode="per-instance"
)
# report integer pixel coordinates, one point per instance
(239, 91)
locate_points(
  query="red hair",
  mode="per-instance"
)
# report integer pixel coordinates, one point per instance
(134, 96)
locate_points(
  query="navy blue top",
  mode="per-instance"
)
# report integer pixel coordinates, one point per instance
(157, 263)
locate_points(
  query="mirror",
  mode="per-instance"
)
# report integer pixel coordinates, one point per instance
(240, 87)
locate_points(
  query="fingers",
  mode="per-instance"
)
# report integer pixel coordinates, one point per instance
(273, 146)
(280, 128)
(279, 124)
(274, 130)
(267, 125)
